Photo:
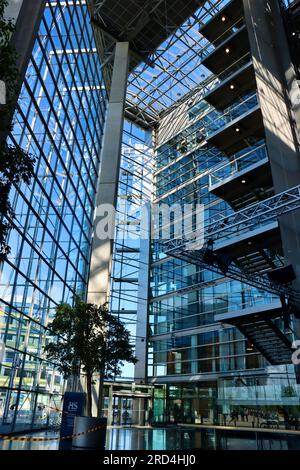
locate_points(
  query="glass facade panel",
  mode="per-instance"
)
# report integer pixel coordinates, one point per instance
(59, 119)
(134, 193)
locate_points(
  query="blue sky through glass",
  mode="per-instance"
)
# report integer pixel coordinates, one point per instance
(178, 68)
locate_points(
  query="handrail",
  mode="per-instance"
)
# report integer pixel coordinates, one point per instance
(230, 114)
(234, 165)
(226, 35)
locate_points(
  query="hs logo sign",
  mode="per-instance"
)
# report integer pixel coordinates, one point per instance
(73, 406)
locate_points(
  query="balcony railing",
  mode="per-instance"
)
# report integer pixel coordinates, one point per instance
(214, 121)
(216, 80)
(238, 163)
(231, 302)
(210, 123)
(212, 46)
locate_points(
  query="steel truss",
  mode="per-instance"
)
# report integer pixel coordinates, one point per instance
(221, 226)
(214, 262)
(245, 219)
(177, 60)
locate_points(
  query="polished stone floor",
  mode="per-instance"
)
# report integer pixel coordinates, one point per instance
(175, 438)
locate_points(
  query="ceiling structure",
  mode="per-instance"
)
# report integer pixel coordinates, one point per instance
(166, 49)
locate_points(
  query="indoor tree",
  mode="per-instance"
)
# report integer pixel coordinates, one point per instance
(91, 340)
(16, 165)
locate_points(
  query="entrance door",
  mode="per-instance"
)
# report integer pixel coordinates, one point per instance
(126, 411)
(122, 411)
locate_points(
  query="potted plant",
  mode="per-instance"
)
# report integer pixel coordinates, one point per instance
(92, 341)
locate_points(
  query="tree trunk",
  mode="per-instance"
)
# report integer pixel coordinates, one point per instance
(89, 395)
(101, 394)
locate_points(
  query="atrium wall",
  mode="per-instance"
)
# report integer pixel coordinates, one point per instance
(59, 119)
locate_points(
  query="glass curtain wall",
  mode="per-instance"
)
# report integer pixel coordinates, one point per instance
(59, 119)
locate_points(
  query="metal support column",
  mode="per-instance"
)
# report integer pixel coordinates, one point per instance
(140, 370)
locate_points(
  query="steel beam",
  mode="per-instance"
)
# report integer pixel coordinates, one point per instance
(135, 54)
(222, 226)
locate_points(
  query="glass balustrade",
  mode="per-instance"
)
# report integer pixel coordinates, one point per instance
(238, 163)
(214, 121)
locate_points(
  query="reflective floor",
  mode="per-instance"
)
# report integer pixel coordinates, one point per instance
(174, 438)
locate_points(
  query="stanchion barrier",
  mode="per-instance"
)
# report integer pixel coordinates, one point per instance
(44, 439)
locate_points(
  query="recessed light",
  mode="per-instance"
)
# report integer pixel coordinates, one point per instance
(237, 129)
(293, 33)
(244, 181)
(232, 86)
(223, 19)
(227, 50)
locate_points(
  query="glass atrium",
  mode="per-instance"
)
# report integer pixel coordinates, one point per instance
(209, 118)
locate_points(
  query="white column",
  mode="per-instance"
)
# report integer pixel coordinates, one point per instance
(140, 370)
(102, 249)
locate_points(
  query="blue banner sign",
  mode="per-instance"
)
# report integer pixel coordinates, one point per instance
(73, 406)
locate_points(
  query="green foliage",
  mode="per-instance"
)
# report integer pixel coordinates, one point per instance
(6, 26)
(15, 164)
(90, 338)
(93, 338)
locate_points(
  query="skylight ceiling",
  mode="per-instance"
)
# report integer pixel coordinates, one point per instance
(178, 67)
(166, 48)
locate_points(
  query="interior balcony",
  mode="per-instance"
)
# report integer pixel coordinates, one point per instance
(232, 88)
(228, 52)
(234, 134)
(224, 22)
(262, 326)
(254, 251)
(244, 180)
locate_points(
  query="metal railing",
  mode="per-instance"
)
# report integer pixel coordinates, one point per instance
(222, 227)
(214, 121)
(212, 46)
